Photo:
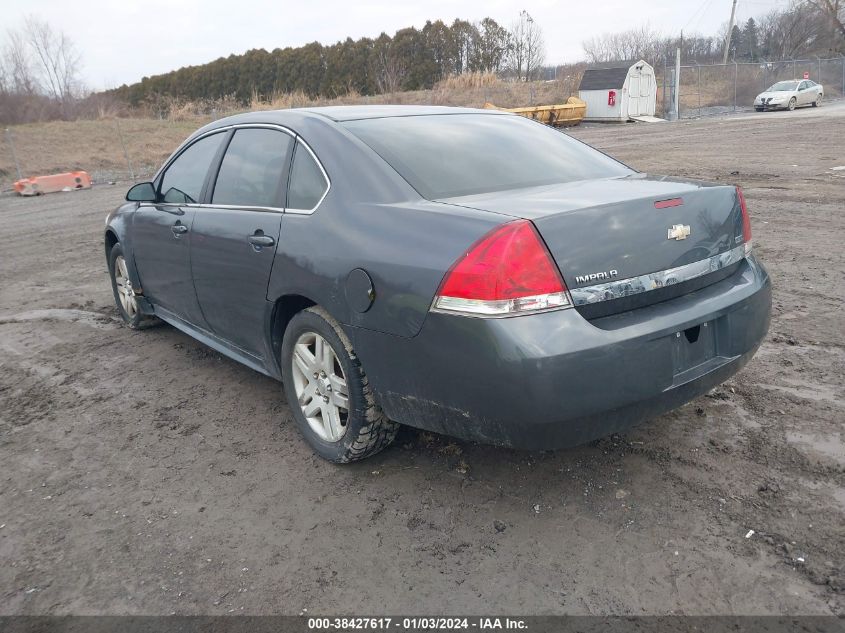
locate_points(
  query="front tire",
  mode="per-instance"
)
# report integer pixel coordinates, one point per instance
(328, 392)
(124, 293)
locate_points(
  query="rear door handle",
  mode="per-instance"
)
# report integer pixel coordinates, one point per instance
(178, 229)
(259, 240)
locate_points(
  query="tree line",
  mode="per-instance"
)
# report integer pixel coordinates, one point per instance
(412, 59)
(804, 28)
(40, 66)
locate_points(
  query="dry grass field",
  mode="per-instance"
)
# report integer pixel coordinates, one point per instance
(95, 145)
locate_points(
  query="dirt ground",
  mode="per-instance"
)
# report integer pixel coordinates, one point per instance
(142, 473)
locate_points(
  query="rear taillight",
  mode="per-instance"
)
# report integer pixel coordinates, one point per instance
(508, 271)
(746, 221)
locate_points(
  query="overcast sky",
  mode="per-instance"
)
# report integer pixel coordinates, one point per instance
(124, 40)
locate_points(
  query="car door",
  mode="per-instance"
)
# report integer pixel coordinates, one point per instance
(234, 235)
(161, 231)
(805, 94)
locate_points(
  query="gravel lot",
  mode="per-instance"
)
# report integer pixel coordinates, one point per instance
(142, 473)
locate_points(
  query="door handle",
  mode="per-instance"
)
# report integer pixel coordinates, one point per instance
(259, 239)
(178, 229)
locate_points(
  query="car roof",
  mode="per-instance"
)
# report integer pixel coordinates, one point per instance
(355, 112)
(345, 113)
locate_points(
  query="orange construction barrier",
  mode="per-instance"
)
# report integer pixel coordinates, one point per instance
(55, 182)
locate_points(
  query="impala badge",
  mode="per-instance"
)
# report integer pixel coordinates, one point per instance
(679, 232)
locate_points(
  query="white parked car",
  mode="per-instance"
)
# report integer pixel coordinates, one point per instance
(790, 95)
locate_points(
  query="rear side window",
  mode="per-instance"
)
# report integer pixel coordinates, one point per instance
(252, 171)
(308, 184)
(443, 156)
(183, 180)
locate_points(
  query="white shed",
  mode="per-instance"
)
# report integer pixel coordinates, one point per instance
(621, 92)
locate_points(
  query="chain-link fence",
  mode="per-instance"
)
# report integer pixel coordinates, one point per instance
(706, 89)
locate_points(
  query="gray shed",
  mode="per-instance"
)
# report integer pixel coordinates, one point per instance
(619, 92)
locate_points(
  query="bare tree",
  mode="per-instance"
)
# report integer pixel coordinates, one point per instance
(639, 43)
(788, 33)
(17, 66)
(57, 60)
(527, 49)
(388, 72)
(833, 10)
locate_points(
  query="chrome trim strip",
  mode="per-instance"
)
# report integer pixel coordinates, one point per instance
(298, 140)
(652, 281)
(237, 207)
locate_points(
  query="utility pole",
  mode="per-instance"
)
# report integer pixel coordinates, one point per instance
(730, 32)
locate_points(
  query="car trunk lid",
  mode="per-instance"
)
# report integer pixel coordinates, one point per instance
(602, 232)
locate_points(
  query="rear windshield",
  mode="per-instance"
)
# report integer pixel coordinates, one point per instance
(443, 156)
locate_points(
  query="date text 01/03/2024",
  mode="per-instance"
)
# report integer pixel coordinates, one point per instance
(415, 623)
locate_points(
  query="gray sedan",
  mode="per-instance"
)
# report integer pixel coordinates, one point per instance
(467, 272)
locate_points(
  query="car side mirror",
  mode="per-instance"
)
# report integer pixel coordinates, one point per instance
(142, 192)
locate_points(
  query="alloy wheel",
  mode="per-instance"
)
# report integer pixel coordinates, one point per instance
(320, 384)
(125, 292)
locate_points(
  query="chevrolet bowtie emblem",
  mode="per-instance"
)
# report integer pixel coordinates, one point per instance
(678, 232)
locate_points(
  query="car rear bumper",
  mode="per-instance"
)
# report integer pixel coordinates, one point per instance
(554, 379)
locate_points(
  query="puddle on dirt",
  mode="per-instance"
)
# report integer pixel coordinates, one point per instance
(828, 446)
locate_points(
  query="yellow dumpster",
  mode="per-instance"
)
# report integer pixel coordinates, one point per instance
(563, 115)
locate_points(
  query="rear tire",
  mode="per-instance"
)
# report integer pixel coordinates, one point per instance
(124, 294)
(759, 109)
(791, 105)
(817, 102)
(328, 392)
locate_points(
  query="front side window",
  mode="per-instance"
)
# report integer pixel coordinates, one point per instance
(308, 185)
(252, 171)
(184, 178)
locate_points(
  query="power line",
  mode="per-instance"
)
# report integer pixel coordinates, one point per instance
(698, 14)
